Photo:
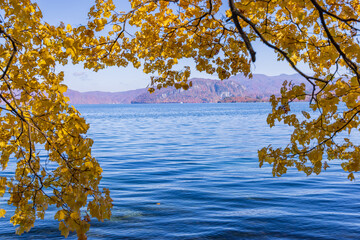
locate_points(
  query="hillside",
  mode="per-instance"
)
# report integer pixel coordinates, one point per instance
(98, 97)
(235, 89)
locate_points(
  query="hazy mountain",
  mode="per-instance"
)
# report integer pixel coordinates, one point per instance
(264, 86)
(98, 97)
(235, 89)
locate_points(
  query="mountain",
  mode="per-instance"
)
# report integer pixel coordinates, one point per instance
(98, 97)
(235, 89)
(264, 86)
(202, 91)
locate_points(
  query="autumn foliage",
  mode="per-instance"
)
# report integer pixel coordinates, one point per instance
(37, 120)
(217, 35)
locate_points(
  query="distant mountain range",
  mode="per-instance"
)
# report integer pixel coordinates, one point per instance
(235, 89)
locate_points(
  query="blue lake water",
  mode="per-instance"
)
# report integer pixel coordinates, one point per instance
(199, 161)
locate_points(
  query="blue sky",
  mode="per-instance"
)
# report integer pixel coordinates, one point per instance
(116, 79)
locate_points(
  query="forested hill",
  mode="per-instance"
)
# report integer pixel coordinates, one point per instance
(236, 89)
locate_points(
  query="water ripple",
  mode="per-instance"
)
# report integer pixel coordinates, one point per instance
(190, 171)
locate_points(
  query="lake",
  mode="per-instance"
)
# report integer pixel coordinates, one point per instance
(190, 171)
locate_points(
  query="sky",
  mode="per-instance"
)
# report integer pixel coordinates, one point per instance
(115, 79)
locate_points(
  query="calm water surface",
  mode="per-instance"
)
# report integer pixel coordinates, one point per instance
(199, 161)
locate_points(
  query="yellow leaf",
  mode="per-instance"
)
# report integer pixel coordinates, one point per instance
(2, 213)
(64, 229)
(61, 215)
(74, 215)
(89, 165)
(68, 27)
(62, 88)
